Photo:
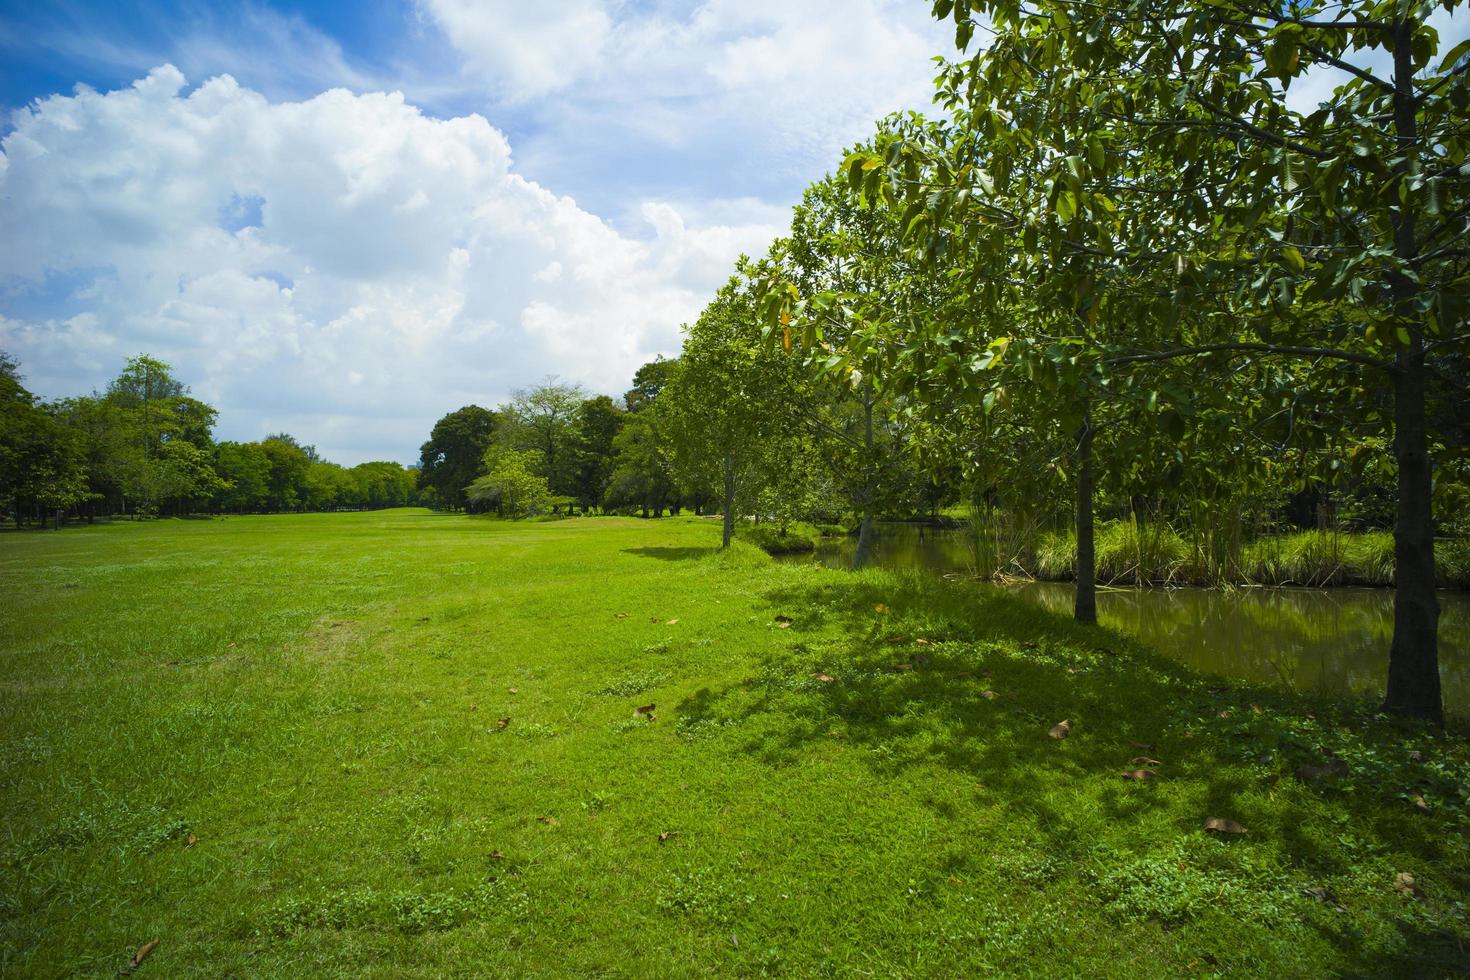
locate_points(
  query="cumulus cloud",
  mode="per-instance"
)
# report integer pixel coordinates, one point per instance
(760, 95)
(343, 267)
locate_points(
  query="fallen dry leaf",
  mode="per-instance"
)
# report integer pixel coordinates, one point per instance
(190, 841)
(1420, 804)
(497, 855)
(550, 821)
(502, 724)
(514, 690)
(881, 608)
(1224, 713)
(646, 709)
(672, 622)
(621, 615)
(1061, 729)
(1139, 775)
(824, 678)
(474, 707)
(1415, 755)
(903, 667)
(924, 642)
(784, 622)
(1221, 825)
(142, 954)
(1143, 760)
(988, 694)
(664, 835)
(1405, 883)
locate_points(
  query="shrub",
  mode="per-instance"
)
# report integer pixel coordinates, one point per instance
(772, 540)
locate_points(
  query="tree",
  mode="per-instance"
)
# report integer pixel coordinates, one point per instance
(648, 381)
(512, 484)
(452, 457)
(245, 469)
(544, 419)
(597, 424)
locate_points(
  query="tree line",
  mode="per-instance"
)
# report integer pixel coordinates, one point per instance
(144, 447)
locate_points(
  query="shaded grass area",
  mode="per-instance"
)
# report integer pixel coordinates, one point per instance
(275, 744)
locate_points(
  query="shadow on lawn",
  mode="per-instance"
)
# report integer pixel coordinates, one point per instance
(981, 695)
(671, 554)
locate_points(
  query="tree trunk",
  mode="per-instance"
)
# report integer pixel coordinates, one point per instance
(1085, 608)
(728, 531)
(1413, 657)
(865, 530)
(865, 539)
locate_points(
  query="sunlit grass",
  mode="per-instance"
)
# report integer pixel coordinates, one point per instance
(275, 744)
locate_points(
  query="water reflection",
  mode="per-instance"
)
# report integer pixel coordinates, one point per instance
(1332, 642)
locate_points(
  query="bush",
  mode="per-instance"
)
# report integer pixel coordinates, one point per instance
(792, 539)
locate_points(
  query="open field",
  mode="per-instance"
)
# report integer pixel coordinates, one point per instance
(275, 745)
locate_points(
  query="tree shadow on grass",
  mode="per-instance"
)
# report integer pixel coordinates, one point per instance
(671, 554)
(916, 672)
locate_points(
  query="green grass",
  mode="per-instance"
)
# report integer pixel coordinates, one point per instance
(273, 744)
(1161, 556)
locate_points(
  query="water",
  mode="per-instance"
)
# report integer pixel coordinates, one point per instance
(1332, 642)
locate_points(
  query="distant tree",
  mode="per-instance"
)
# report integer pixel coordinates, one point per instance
(544, 419)
(642, 473)
(648, 382)
(598, 422)
(245, 469)
(286, 487)
(512, 484)
(40, 458)
(452, 457)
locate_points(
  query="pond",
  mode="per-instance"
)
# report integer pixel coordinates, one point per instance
(1331, 642)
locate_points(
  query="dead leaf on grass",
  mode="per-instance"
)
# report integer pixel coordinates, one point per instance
(142, 954)
(646, 709)
(1405, 883)
(502, 724)
(1139, 775)
(824, 678)
(1222, 825)
(497, 855)
(621, 615)
(988, 694)
(1420, 804)
(881, 608)
(550, 821)
(1143, 760)
(664, 835)
(903, 667)
(1415, 755)
(1224, 713)
(1061, 729)
(672, 622)
(783, 622)
(190, 841)
(923, 642)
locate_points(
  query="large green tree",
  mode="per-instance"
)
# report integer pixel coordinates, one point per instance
(452, 457)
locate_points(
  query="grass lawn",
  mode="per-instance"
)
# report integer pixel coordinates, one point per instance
(275, 744)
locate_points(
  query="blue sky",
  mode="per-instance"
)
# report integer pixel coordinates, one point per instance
(344, 220)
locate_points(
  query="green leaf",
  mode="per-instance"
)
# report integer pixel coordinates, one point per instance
(1293, 257)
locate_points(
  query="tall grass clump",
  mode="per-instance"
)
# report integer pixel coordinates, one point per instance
(1127, 554)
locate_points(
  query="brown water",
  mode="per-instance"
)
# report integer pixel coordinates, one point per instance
(1331, 642)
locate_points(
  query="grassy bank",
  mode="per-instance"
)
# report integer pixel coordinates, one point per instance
(1158, 555)
(276, 745)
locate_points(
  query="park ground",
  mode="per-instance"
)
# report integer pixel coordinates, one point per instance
(409, 744)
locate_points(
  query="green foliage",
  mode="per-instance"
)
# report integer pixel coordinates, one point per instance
(775, 539)
(513, 484)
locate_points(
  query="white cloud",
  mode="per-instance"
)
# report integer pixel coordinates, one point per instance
(342, 267)
(526, 48)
